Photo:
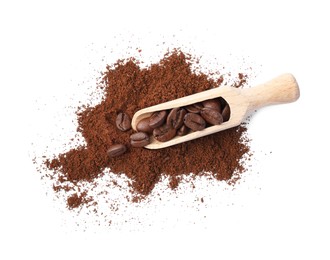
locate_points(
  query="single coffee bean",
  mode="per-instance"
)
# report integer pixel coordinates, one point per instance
(183, 130)
(157, 119)
(116, 150)
(123, 122)
(175, 117)
(164, 133)
(211, 116)
(213, 104)
(226, 113)
(223, 102)
(195, 108)
(139, 139)
(143, 126)
(194, 121)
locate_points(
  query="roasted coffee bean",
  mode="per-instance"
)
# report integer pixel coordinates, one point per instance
(226, 113)
(164, 133)
(183, 130)
(116, 150)
(175, 117)
(139, 139)
(223, 102)
(213, 103)
(143, 126)
(194, 108)
(211, 116)
(123, 122)
(157, 119)
(194, 121)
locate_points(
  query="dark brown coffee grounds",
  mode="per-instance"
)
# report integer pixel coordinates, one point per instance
(76, 200)
(127, 88)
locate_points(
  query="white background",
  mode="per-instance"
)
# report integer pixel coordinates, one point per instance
(280, 211)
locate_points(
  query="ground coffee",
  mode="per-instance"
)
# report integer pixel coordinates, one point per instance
(127, 88)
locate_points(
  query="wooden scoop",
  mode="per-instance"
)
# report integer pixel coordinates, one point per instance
(280, 90)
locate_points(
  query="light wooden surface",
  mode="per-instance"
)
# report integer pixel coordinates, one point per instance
(280, 90)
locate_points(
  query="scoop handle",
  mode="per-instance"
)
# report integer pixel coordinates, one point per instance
(280, 90)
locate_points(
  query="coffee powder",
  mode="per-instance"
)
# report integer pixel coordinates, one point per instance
(127, 88)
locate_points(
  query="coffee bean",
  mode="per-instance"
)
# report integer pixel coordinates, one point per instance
(223, 102)
(183, 130)
(157, 119)
(226, 113)
(143, 126)
(175, 117)
(116, 150)
(211, 116)
(139, 139)
(164, 133)
(194, 108)
(213, 104)
(194, 121)
(123, 122)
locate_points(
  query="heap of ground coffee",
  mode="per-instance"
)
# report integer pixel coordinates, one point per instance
(127, 88)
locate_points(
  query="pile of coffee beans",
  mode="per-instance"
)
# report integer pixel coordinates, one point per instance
(166, 124)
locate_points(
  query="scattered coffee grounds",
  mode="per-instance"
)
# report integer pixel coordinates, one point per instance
(127, 88)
